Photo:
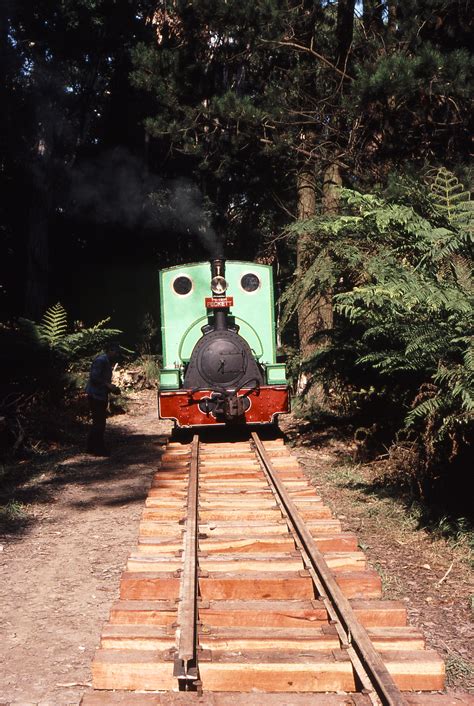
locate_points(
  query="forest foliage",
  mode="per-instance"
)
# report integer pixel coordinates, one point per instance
(46, 363)
(141, 134)
(53, 337)
(400, 268)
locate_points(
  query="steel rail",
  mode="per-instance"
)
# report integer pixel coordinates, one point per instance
(185, 663)
(365, 683)
(382, 681)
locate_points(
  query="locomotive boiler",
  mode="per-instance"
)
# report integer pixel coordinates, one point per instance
(219, 345)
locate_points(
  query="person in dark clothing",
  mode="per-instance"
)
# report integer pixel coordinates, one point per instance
(98, 387)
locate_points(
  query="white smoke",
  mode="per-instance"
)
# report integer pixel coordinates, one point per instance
(117, 188)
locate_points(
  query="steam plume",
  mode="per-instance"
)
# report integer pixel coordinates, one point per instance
(118, 189)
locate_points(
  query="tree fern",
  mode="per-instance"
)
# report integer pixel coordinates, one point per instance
(53, 327)
(404, 299)
(51, 335)
(453, 201)
(450, 196)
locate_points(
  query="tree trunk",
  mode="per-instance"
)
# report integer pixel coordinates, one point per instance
(307, 314)
(332, 182)
(344, 31)
(315, 315)
(37, 275)
(392, 18)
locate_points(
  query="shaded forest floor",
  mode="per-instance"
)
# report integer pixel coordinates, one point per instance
(73, 520)
(63, 554)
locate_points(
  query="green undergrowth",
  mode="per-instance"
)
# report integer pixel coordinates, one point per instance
(13, 510)
(392, 585)
(459, 672)
(375, 499)
(13, 515)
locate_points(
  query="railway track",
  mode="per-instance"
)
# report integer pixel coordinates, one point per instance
(243, 588)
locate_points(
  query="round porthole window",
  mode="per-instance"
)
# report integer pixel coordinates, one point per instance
(182, 285)
(250, 282)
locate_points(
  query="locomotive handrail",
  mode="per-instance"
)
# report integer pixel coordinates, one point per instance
(255, 387)
(223, 391)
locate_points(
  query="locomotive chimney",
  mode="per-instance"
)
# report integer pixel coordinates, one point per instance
(217, 267)
(218, 287)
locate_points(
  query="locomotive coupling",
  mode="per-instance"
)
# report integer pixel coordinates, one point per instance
(234, 408)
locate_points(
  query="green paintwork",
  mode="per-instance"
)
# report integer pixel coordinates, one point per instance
(182, 317)
(276, 374)
(169, 379)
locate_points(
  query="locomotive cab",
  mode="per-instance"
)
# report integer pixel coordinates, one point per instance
(218, 334)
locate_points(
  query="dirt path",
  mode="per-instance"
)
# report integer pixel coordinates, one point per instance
(59, 578)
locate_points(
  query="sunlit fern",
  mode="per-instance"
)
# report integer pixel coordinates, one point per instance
(51, 334)
(403, 295)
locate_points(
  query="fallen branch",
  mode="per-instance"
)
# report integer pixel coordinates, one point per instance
(446, 574)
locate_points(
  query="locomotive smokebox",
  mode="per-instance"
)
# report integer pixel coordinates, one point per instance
(222, 361)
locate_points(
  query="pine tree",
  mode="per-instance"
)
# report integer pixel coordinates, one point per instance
(410, 97)
(206, 72)
(254, 99)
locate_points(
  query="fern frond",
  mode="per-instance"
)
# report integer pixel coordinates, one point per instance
(427, 408)
(449, 194)
(51, 335)
(53, 326)
(89, 341)
(100, 324)
(31, 333)
(404, 295)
